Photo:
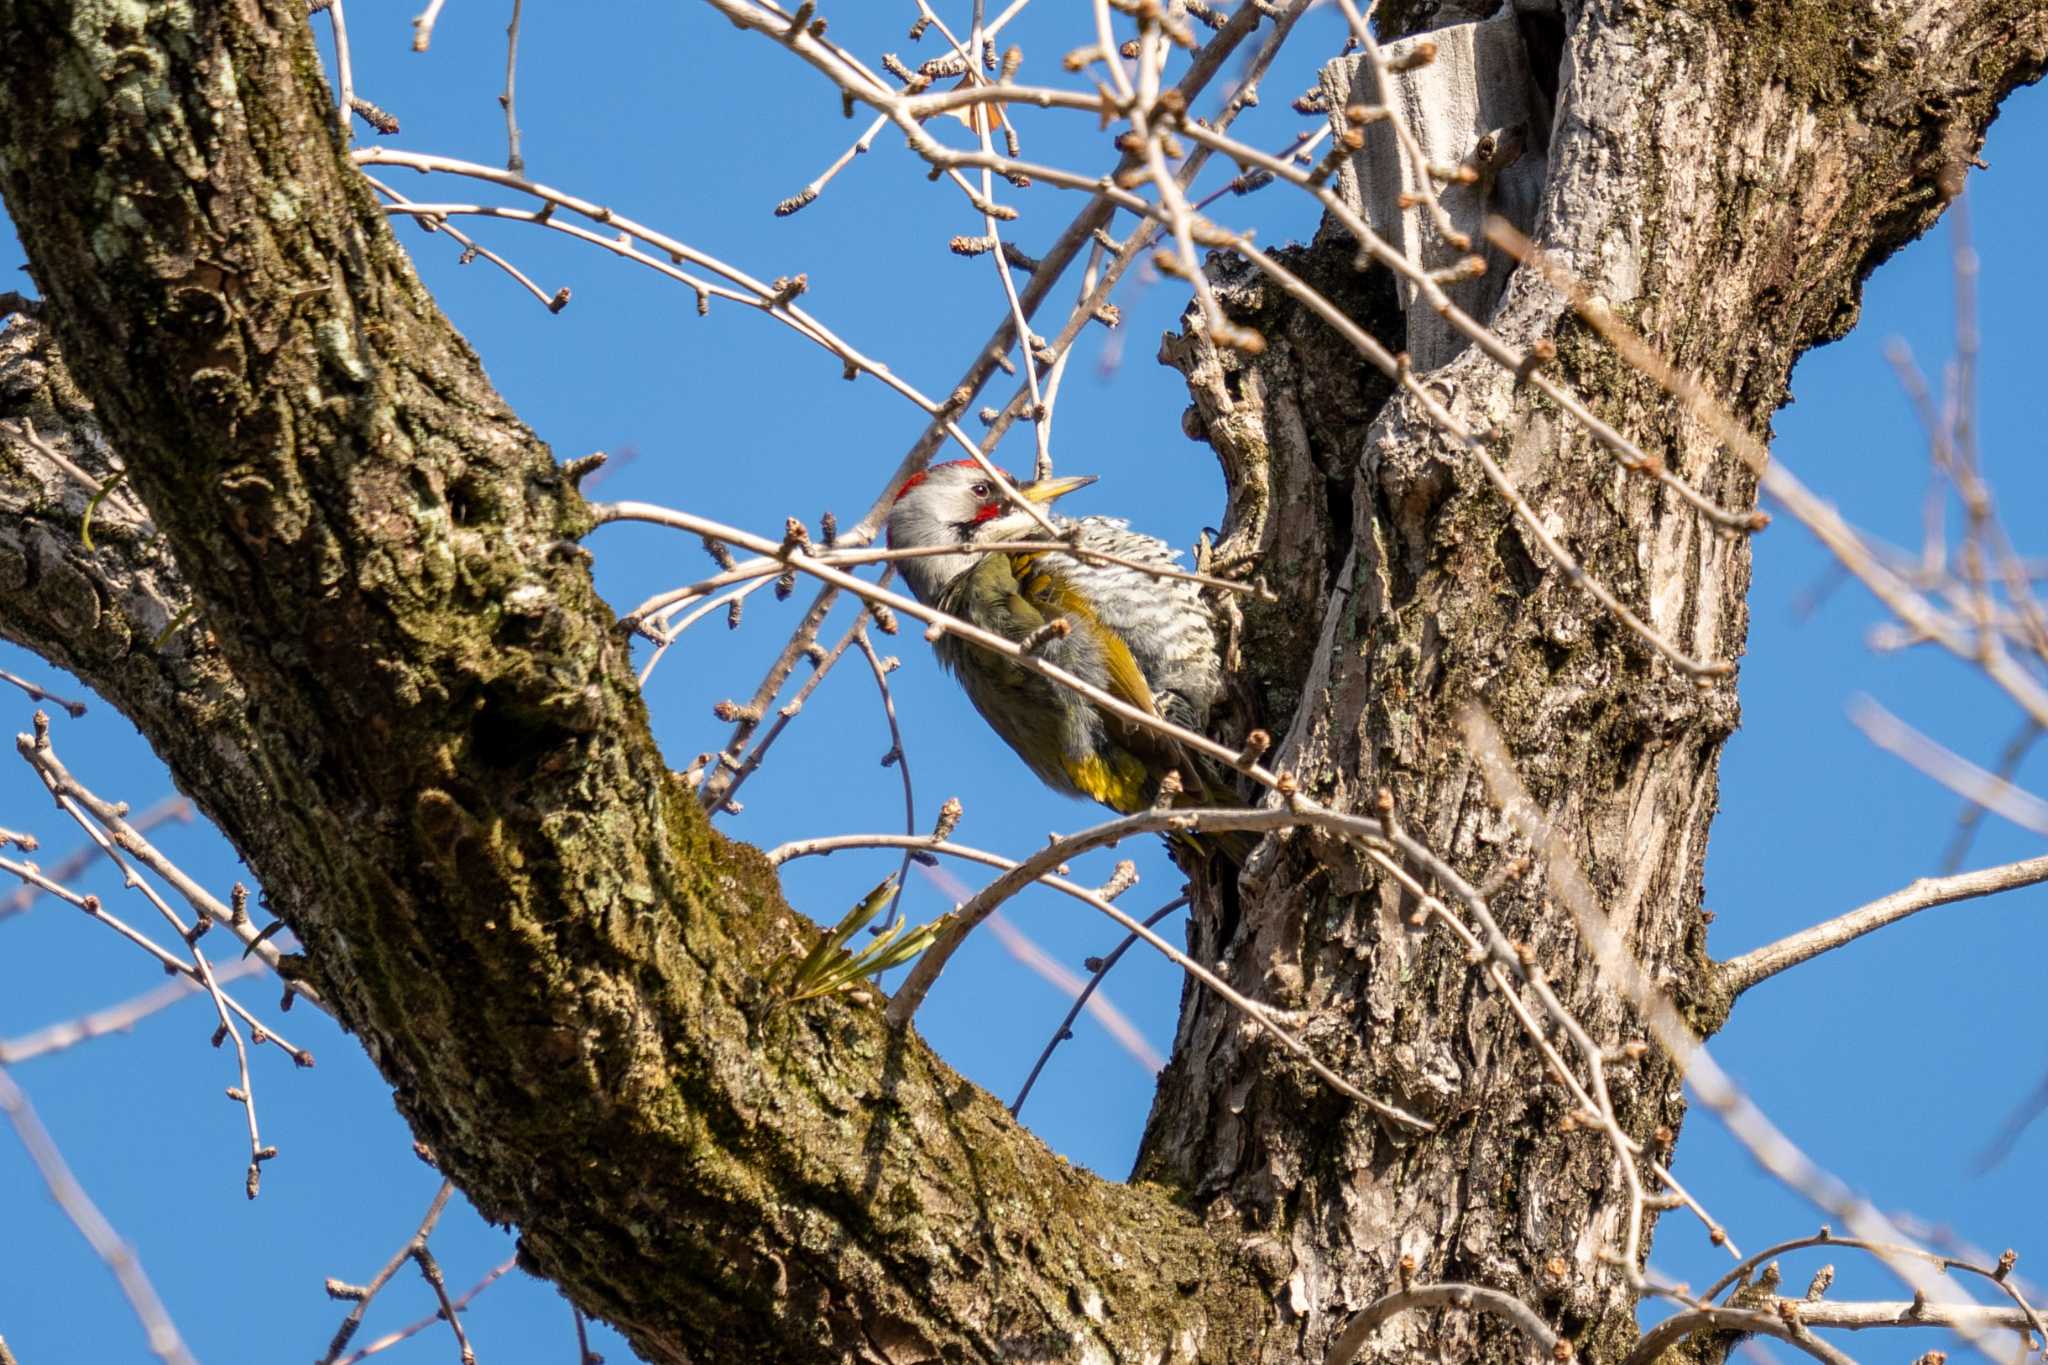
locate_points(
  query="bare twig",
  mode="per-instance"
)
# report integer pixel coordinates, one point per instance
(984, 127)
(718, 787)
(719, 795)
(119, 1257)
(1738, 974)
(38, 693)
(1953, 771)
(108, 829)
(423, 1257)
(390, 1339)
(1888, 1251)
(1972, 814)
(584, 1355)
(364, 1294)
(119, 1018)
(1853, 1315)
(1785, 1326)
(434, 221)
(923, 844)
(778, 301)
(897, 755)
(1037, 869)
(91, 906)
(69, 795)
(423, 25)
(2017, 1122)
(1049, 969)
(1087, 992)
(514, 162)
(667, 634)
(74, 864)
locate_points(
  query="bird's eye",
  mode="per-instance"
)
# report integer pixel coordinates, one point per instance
(981, 490)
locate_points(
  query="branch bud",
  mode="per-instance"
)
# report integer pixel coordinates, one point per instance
(1121, 879)
(1414, 59)
(802, 198)
(1255, 745)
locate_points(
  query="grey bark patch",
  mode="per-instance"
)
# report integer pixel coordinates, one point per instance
(1470, 107)
(68, 596)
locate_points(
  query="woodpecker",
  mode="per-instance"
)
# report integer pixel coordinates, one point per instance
(1143, 639)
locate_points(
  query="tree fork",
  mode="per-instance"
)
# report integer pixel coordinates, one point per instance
(405, 704)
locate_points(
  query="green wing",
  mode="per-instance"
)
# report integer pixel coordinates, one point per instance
(1045, 591)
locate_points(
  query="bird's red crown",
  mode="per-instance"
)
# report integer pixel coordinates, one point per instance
(921, 475)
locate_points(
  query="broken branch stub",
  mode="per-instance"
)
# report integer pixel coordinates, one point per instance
(1481, 126)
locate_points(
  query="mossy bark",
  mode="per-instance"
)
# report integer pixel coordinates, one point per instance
(355, 621)
(402, 699)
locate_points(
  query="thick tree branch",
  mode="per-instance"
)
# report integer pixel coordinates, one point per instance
(411, 712)
(119, 615)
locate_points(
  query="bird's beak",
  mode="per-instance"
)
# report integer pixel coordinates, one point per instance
(1046, 490)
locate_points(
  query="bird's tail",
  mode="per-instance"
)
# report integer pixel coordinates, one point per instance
(1200, 780)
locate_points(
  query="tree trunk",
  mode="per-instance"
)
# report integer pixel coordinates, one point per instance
(1732, 226)
(398, 694)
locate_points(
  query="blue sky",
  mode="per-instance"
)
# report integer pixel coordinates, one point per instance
(1891, 1061)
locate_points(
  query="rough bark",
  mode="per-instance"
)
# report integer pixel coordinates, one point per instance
(1733, 226)
(400, 697)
